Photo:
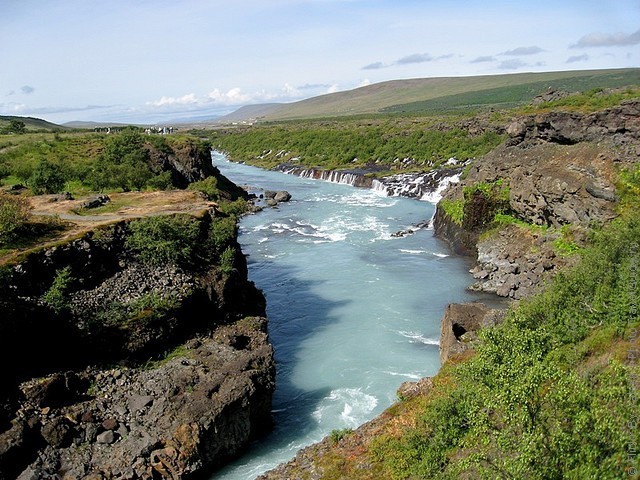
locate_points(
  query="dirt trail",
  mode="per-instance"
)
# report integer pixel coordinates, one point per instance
(122, 206)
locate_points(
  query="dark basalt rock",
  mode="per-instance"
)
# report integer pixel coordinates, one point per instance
(182, 416)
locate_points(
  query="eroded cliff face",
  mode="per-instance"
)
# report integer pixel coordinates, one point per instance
(149, 371)
(560, 170)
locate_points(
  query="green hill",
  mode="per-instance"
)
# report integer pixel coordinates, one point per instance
(31, 124)
(448, 93)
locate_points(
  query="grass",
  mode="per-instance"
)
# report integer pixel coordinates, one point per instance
(449, 94)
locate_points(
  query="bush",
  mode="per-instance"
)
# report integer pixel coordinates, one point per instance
(227, 260)
(166, 239)
(15, 212)
(208, 186)
(221, 232)
(56, 296)
(47, 178)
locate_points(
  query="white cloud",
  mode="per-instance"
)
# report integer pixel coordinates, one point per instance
(577, 58)
(189, 99)
(232, 97)
(513, 64)
(523, 51)
(333, 88)
(484, 58)
(12, 108)
(414, 58)
(608, 40)
(364, 83)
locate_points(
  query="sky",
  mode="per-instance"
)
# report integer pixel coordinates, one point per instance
(155, 61)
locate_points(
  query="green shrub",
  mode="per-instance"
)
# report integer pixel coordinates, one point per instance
(208, 186)
(15, 212)
(227, 260)
(222, 231)
(165, 239)
(338, 434)
(454, 209)
(47, 177)
(56, 296)
(236, 208)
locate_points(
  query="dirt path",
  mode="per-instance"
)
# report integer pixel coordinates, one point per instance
(122, 206)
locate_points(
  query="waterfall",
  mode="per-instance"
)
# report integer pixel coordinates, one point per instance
(426, 186)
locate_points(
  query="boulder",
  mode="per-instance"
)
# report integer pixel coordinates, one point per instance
(95, 202)
(460, 325)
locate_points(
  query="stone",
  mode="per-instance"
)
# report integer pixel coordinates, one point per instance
(95, 202)
(110, 424)
(138, 402)
(108, 437)
(282, 196)
(459, 321)
(57, 432)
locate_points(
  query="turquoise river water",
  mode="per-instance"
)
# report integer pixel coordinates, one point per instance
(353, 311)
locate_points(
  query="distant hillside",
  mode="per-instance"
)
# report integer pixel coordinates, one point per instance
(440, 94)
(250, 113)
(83, 124)
(31, 124)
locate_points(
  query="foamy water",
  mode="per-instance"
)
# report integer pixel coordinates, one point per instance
(353, 311)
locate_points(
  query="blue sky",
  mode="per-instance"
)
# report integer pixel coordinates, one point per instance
(153, 61)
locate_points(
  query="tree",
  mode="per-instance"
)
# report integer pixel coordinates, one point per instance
(16, 126)
(47, 178)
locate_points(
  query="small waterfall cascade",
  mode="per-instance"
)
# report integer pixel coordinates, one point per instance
(426, 186)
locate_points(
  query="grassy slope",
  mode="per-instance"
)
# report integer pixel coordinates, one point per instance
(31, 124)
(407, 95)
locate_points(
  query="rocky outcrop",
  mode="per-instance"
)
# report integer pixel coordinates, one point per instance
(460, 325)
(188, 162)
(517, 262)
(619, 125)
(185, 416)
(460, 240)
(195, 368)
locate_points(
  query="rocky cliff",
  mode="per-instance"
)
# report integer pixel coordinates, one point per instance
(558, 172)
(115, 367)
(554, 177)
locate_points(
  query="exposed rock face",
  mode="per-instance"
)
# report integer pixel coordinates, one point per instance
(516, 262)
(190, 414)
(460, 240)
(187, 163)
(460, 325)
(619, 125)
(183, 416)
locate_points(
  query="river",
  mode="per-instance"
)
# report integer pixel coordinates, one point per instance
(353, 311)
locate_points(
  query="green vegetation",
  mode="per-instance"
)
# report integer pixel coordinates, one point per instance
(15, 212)
(83, 162)
(339, 434)
(56, 296)
(549, 393)
(165, 239)
(141, 311)
(586, 102)
(386, 144)
(484, 205)
(47, 178)
(184, 240)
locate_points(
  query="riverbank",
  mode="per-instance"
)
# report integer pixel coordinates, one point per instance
(133, 344)
(525, 210)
